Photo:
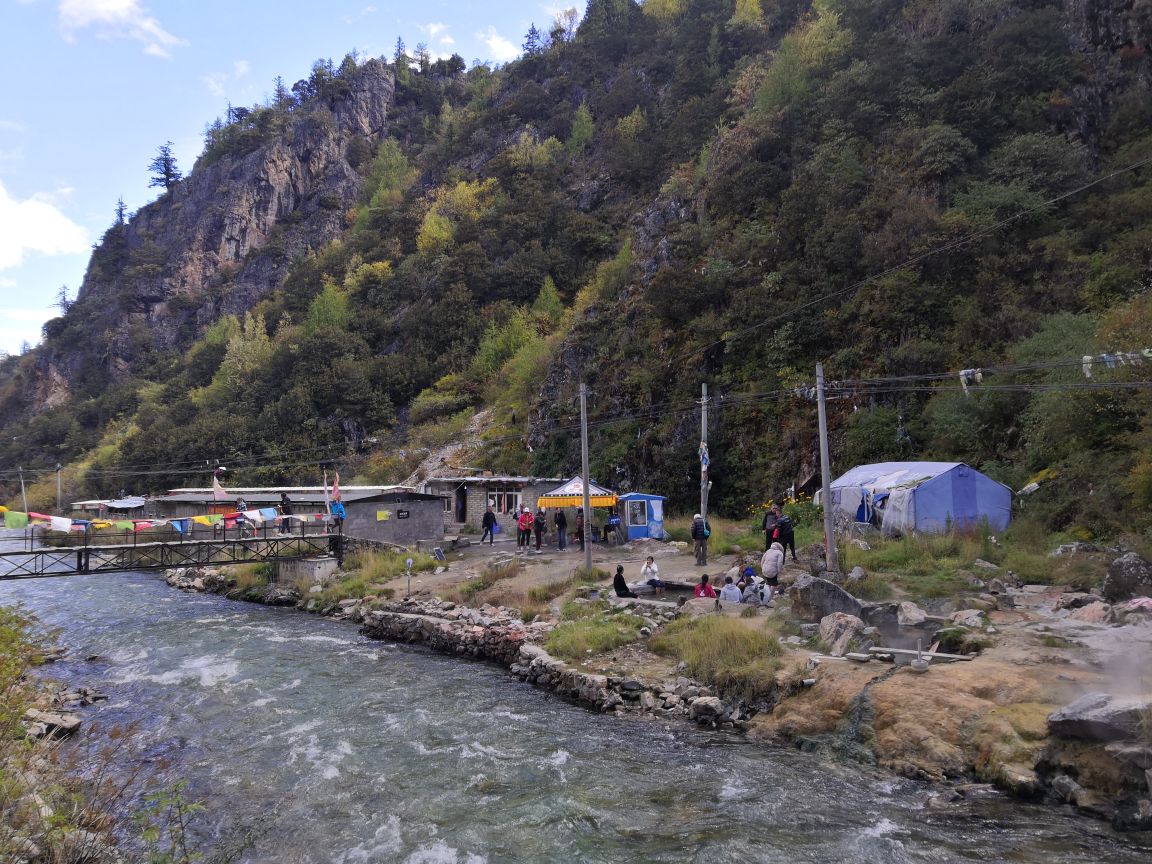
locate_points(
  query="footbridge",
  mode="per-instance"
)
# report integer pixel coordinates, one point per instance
(34, 562)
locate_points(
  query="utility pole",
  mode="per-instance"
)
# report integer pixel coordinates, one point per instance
(826, 475)
(23, 494)
(59, 512)
(705, 483)
(584, 473)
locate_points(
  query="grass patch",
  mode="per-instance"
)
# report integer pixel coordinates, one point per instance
(871, 587)
(550, 591)
(577, 640)
(375, 566)
(735, 658)
(489, 576)
(729, 536)
(249, 576)
(578, 611)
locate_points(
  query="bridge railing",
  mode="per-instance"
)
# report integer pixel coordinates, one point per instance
(38, 537)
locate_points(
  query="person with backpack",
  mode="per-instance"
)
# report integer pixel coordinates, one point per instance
(784, 533)
(700, 534)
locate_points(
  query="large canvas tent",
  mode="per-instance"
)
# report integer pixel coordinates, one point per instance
(928, 497)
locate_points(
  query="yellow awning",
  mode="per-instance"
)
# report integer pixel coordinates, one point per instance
(576, 501)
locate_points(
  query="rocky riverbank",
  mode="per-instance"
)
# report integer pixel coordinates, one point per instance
(496, 634)
(994, 715)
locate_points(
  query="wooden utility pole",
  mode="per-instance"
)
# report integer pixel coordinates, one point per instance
(704, 456)
(826, 475)
(23, 494)
(584, 474)
(59, 512)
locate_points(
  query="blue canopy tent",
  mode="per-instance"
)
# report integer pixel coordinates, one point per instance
(642, 515)
(928, 497)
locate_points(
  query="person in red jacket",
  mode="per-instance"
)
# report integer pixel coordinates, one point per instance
(524, 523)
(704, 589)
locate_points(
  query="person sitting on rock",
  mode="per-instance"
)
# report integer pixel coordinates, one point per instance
(619, 585)
(650, 573)
(753, 593)
(730, 593)
(770, 566)
(704, 589)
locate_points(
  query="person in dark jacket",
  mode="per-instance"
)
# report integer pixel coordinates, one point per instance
(619, 585)
(700, 532)
(561, 522)
(784, 533)
(540, 525)
(488, 523)
(580, 528)
(770, 518)
(285, 512)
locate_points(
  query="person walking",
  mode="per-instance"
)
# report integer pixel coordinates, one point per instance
(285, 512)
(700, 532)
(771, 564)
(580, 528)
(488, 523)
(784, 531)
(561, 522)
(540, 524)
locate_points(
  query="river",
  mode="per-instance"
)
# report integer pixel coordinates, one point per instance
(346, 750)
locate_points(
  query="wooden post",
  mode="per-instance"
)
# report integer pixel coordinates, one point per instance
(825, 475)
(585, 538)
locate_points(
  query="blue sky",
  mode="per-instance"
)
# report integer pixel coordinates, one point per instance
(93, 87)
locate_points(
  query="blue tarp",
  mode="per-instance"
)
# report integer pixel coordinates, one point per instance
(929, 497)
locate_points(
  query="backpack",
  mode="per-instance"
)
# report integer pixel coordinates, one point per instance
(707, 529)
(784, 525)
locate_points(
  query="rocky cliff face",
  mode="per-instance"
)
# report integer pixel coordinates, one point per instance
(226, 235)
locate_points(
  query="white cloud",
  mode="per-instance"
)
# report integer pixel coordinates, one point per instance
(12, 126)
(217, 81)
(502, 50)
(117, 19)
(434, 30)
(447, 41)
(367, 10)
(36, 225)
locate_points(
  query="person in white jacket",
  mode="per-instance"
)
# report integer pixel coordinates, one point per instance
(771, 564)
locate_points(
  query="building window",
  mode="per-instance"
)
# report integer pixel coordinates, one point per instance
(504, 500)
(447, 505)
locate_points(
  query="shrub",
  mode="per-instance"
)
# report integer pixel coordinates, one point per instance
(732, 655)
(489, 576)
(576, 640)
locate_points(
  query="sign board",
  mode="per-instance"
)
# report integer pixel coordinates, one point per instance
(403, 514)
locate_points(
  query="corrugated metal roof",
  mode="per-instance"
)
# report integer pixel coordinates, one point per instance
(348, 496)
(256, 490)
(479, 479)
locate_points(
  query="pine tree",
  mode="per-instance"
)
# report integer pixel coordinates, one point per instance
(121, 211)
(534, 42)
(163, 168)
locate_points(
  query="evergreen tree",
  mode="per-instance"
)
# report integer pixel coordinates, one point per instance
(163, 168)
(121, 211)
(535, 41)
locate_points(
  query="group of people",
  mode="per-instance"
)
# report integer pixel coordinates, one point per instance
(747, 587)
(531, 526)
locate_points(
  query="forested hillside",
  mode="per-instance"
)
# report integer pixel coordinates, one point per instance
(665, 194)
